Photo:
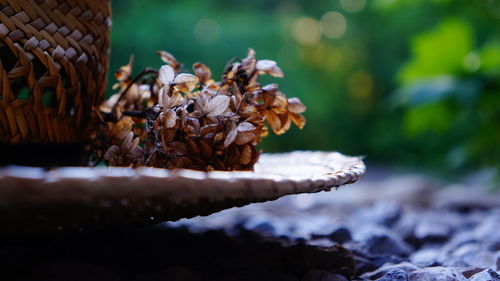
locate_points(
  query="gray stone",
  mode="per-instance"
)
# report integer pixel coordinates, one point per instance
(379, 240)
(407, 225)
(488, 230)
(469, 272)
(426, 257)
(337, 233)
(340, 235)
(432, 230)
(471, 255)
(437, 273)
(395, 275)
(386, 213)
(486, 275)
(321, 275)
(380, 272)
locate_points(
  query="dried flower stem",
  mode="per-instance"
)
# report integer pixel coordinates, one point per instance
(182, 120)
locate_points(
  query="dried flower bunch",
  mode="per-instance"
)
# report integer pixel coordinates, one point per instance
(165, 118)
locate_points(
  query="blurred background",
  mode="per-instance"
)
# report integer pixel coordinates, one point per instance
(407, 83)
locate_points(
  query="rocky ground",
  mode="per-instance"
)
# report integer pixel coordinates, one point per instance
(388, 226)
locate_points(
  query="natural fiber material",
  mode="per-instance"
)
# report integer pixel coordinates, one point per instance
(53, 64)
(72, 197)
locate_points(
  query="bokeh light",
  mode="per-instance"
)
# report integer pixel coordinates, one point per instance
(207, 31)
(472, 62)
(360, 84)
(306, 31)
(333, 25)
(353, 6)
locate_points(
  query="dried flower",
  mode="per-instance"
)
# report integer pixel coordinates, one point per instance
(170, 119)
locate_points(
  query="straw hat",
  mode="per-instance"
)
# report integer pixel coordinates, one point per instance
(34, 198)
(53, 66)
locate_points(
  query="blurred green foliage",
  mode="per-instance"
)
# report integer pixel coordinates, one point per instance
(400, 81)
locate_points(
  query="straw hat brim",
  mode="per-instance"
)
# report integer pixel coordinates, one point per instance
(34, 198)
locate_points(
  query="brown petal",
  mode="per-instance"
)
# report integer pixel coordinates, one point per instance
(245, 127)
(127, 141)
(269, 67)
(245, 154)
(185, 82)
(168, 58)
(210, 128)
(170, 101)
(183, 162)
(170, 118)
(135, 152)
(219, 136)
(217, 105)
(202, 72)
(206, 149)
(264, 132)
(166, 74)
(179, 147)
(272, 88)
(201, 104)
(295, 105)
(193, 148)
(170, 134)
(122, 128)
(285, 123)
(231, 136)
(195, 123)
(231, 74)
(232, 155)
(111, 153)
(274, 122)
(244, 137)
(280, 102)
(125, 71)
(250, 53)
(298, 119)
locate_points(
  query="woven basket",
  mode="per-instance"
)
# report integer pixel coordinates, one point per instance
(53, 65)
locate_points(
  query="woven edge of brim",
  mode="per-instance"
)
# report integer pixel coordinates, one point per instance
(119, 195)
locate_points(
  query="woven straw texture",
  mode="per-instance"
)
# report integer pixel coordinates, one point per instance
(53, 65)
(125, 196)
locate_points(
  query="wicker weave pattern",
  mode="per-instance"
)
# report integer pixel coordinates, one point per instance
(53, 65)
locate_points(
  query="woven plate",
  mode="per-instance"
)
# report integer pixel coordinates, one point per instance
(34, 198)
